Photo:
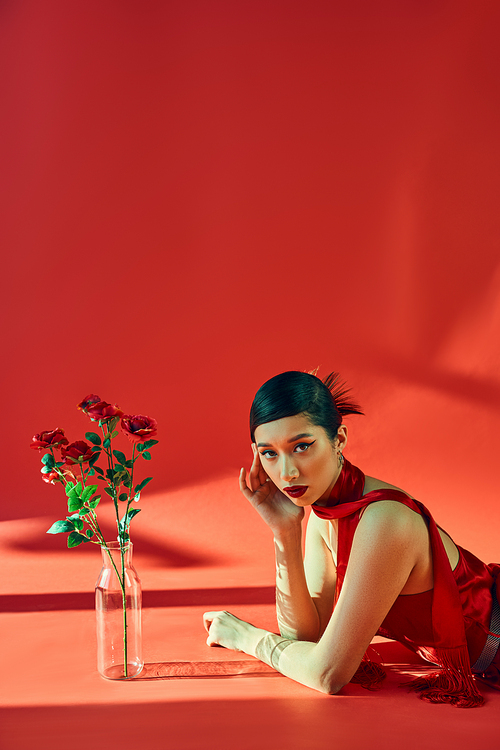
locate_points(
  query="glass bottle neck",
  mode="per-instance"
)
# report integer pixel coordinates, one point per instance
(113, 549)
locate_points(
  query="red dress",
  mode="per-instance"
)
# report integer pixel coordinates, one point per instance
(409, 620)
(448, 624)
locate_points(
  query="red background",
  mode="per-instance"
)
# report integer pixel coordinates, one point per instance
(195, 196)
(198, 195)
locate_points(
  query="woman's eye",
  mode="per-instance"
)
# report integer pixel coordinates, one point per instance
(302, 447)
(268, 454)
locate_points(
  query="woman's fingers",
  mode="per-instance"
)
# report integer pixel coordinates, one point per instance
(208, 618)
(257, 475)
(208, 621)
(262, 474)
(252, 496)
(243, 484)
(253, 476)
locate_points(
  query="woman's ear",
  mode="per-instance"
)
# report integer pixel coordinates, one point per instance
(341, 437)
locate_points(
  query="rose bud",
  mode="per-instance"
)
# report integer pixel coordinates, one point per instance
(51, 478)
(49, 439)
(103, 412)
(78, 452)
(87, 401)
(138, 428)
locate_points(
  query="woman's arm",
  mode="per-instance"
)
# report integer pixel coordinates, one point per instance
(383, 555)
(300, 616)
(305, 587)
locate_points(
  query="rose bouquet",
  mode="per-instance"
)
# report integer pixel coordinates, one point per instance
(76, 468)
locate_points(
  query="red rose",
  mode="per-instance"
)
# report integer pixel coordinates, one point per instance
(138, 428)
(77, 453)
(87, 401)
(103, 412)
(54, 477)
(51, 478)
(49, 439)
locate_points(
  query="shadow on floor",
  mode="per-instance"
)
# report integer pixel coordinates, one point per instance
(220, 597)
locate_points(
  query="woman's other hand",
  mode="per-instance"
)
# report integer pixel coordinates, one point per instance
(275, 508)
(224, 629)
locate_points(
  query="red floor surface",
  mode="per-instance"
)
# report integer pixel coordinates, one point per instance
(196, 549)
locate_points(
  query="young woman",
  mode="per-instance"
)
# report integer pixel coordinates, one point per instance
(375, 561)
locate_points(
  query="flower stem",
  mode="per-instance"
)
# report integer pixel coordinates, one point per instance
(131, 476)
(121, 540)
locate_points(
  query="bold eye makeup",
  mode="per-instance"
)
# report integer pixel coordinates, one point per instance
(267, 453)
(299, 448)
(302, 447)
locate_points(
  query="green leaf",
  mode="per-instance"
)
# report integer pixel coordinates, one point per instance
(99, 470)
(114, 434)
(127, 483)
(75, 539)
(94, 502)
(91, 472)
(146, 455)
(60, 527)
(140, 447)
(93, 438)
(78, 489)
(94, 458)
(139, 487)
(137, 497)
(74, 502)
(46, 469)
(96, 449)
(108, 491)
(110, 474)
(70, 486)
(149, 443)
(88, 492)
(107, 443)
(121, 457)
(48, 460)
(125, 521)
(123, 496)
(89, 533)
(129, 464)
(111, 426)
(76, 520)
(59, 463)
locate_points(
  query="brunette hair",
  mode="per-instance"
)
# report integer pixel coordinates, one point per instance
(324, 402)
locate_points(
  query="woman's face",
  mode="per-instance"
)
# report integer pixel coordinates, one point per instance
(299, 458)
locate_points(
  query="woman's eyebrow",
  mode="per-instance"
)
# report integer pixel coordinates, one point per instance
(292, 440)
(298, 437)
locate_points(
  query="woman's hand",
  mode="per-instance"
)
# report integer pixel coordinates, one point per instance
(275, 508)
(224, 629)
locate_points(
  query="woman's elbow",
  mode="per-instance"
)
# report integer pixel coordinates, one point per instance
(331, 682)
(332, 687)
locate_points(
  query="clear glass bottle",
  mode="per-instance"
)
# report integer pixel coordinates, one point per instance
(119, 636)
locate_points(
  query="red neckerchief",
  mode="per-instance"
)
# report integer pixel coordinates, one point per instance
(455, 683)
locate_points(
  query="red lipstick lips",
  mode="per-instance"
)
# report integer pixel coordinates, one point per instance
(295, 491)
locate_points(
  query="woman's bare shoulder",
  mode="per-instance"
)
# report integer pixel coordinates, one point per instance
(386, 508)
(371, 484)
